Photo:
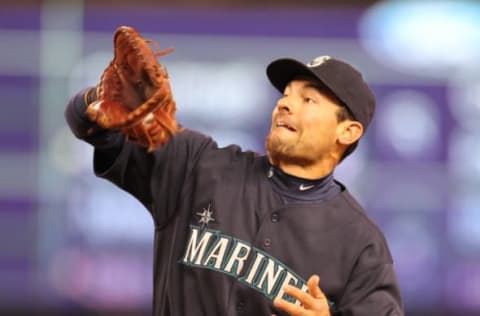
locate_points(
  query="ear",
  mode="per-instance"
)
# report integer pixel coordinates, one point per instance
(349, 132)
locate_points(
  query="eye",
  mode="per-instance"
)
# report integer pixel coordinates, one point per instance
(309, 100)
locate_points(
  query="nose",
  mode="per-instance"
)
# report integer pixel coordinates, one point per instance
(284, 106)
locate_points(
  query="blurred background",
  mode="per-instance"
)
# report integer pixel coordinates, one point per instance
(72, 244)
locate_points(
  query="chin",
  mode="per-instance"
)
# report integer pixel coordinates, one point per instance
(281, 151)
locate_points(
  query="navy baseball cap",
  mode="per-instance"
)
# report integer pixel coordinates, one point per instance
(342, 79)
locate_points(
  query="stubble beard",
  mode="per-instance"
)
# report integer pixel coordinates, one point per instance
(281, 152)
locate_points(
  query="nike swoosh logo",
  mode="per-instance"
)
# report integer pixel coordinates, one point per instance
(303, 187)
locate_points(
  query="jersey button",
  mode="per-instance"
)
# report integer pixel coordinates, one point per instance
(240, 306)
(275, 217)
(267, 242)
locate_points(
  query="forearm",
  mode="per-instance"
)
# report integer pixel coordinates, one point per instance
(109, 162)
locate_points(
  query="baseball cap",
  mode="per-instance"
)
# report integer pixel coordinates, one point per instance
(342, 79)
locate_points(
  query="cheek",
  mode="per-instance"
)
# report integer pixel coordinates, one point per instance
(321, 126)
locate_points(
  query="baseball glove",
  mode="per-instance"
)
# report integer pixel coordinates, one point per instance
(134, 94)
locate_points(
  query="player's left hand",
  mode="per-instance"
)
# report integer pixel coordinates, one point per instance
(313, 303)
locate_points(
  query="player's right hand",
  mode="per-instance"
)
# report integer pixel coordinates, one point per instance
(313, 303)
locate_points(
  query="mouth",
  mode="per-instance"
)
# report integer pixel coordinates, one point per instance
(283, 124)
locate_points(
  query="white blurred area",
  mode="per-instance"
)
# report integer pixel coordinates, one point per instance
(230, 93)
(409, 123)
(464, 156)
(425, 38)
(225, 100)
(464, 96)
(464, 219)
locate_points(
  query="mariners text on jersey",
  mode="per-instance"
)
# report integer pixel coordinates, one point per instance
(210, 249)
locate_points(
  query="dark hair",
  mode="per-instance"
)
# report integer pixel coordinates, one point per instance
(343, 114)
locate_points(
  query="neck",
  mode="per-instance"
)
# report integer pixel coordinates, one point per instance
(310, 172)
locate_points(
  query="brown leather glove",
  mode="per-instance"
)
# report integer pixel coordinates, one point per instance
(134, 93)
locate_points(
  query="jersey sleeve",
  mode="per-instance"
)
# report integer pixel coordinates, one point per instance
(372, 288)
(155, 179)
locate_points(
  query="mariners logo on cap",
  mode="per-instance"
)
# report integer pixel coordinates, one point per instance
(318, 61)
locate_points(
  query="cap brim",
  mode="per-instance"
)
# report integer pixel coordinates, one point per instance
(280, 72)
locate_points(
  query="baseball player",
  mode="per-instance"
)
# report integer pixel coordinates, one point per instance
(238, 233)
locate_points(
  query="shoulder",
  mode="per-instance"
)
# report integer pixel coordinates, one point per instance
(185, 144)
(204, 151)
(354, 210)
(361, 229)
(231, 153)
(189, 136)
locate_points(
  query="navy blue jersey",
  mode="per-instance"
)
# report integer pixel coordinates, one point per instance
(226, 242)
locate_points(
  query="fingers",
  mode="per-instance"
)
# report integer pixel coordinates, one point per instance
(312, 303)
(288, 307)
(304, 298)
(313, 286)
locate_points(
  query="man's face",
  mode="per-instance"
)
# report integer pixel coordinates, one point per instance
(304, 124)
